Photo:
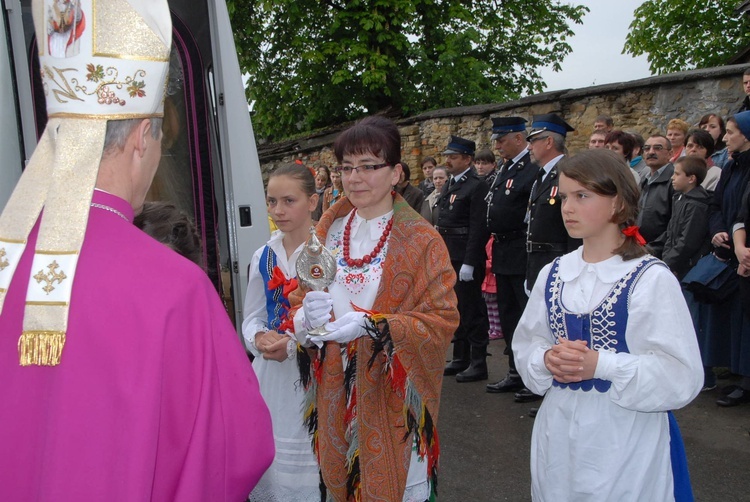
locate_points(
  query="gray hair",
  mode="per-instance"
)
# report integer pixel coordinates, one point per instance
(558, 140)
(119, 130)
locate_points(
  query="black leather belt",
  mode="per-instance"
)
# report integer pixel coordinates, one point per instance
(452, 231)
(545, 247)
(507, 236)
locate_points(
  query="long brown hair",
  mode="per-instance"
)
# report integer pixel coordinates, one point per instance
(604, 173)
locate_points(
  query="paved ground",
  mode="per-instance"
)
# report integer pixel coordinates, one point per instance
(485, 442)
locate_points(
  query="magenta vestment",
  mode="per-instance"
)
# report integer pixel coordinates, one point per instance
(154, 398)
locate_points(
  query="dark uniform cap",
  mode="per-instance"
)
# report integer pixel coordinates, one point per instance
(549, 122)
(461, 146)
(505, 125)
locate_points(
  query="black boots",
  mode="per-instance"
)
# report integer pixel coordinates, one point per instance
(460, 358)
(477, 370)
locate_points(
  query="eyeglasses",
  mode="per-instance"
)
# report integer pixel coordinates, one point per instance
(536, 138)
(367, 168)
(656, 148)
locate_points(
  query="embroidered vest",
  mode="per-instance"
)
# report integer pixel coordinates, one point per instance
(277, 306)
(603, 328)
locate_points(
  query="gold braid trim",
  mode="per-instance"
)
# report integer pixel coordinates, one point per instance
(41, 348)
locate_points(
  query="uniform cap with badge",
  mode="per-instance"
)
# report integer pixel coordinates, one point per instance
(460, 146)
(549, 122)
(506, 125)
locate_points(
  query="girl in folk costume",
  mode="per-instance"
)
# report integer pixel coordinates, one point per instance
(607, 337)
(375, 378)
(291, 199)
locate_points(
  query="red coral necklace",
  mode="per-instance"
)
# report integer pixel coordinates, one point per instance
(368, 257)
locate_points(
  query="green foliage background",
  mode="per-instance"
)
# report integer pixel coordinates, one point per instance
(316, 63)
(682, 35)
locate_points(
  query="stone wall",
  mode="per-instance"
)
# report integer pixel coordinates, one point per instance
(644, 106)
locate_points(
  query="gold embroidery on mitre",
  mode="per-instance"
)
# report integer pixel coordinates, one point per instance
(121, 33)
(41, 348)
(50, 277)
(106, 80)
(4, 263)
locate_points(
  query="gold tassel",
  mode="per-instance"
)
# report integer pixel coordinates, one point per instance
(41, 348)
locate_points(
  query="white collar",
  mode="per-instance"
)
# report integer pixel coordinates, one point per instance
(276, 243)
(374, 226)
(608, 271)
(552, 163)
(462, 174)
(518, 157)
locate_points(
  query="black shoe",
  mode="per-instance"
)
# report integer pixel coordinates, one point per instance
(533, 412)
(455, 367)
(738, 396)
(725, 391)
(526, 396)
(511, 383)
(473, 374)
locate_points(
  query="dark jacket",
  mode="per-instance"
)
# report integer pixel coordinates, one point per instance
(725, 206)
(506, 213)
(687, 238)
(413, 196)
(462, 219)
(546, 227)
(656, 209)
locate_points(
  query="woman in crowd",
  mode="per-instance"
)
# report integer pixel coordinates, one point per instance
(429, 206)
(291, 199)
(322, 181)
(607, 337)
(677, 130)
(623, 144)
(700, 143)
(334, 192)
(714, 125)
(375, 402)
(427, 185)
(727, 330)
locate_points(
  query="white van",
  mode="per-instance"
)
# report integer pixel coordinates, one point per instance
(211, 169)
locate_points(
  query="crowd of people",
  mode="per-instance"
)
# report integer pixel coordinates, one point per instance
(616, 277)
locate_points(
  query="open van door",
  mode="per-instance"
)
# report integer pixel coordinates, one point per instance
(209, 166)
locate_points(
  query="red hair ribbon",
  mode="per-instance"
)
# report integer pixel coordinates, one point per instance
(633, 231)
(279, 279)
(312, 171)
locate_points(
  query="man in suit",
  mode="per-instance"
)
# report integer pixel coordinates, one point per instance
(462, 223)
(656, 193)
(507, 202)
(547, 237)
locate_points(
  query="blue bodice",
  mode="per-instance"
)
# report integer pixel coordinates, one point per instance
(277, 306)
(603, 328)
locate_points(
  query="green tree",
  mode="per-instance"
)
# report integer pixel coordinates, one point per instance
(682, 35)
(315, 63)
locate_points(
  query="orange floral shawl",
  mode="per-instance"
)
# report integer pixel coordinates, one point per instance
(416, 298)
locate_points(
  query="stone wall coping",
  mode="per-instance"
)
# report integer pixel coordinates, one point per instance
(274, 151)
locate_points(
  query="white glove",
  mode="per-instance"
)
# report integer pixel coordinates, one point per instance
(466, 273)
(316, 306)
(346, 328)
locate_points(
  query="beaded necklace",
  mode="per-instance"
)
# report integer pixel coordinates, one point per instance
(374, 253)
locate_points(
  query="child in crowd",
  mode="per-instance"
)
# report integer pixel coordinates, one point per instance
(291, 198)
(687, 236)
(606, 335)
(489, 293)
(170, 226)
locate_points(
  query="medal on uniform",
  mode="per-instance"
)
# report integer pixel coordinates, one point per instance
(552, 194)
(452, 200)
(508, 186)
